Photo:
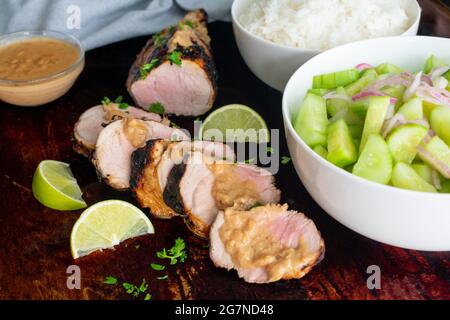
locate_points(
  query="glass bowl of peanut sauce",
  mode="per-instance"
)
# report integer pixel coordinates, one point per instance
(38, 67)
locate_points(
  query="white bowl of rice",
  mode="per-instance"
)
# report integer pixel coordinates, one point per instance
(275, 37)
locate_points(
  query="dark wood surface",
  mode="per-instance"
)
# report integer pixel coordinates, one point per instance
(35, 249)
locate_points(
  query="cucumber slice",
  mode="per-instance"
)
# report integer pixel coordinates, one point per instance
(437, 154)
(440, 123)
(356, 130)
(334, 106)
(396, 92)
(412, 110)
(428, 107)
(360, 107)
(335, 79)
(376, 113)
(321, 151)
(318, 92)
(405, 177)
(403, 142)
(388, 68)
(424, 171)
(312, 121)
(447, 76)
(433, 62)
(357, 143)
(341, 149)
(375, 161)
(367, 78)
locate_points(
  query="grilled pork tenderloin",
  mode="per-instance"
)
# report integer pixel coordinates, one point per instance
(176, 69)
(94, 119)
(117, 141)
(201, 186)
(152, 164)
(265, 244)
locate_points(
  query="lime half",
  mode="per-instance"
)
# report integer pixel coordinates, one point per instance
(106, 224)
(235, 123)
(55, 186)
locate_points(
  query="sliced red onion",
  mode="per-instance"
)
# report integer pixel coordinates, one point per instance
(432, 161)
(435, 180)
(371, 93)
(439, 71)
(335, 95)
(392, 123)
(427, 80)
(363, 66)
(390, 111)
(430, 134)
(402, 79)
(413, 87)
(440, 82)
(434, 95)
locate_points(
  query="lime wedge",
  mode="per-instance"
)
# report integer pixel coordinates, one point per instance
(55, 186)
(235, 123)
(106, 224)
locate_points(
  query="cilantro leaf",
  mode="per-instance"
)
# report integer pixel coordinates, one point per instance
(129, 287)
(175, 254)
(143, 286)
(175, 57)
(110, 280)
(148, 296)
(157, 107)
(146, 68)
(157, 267)
(256, 205)
(119, 99)
(106, 101)
(158, 39)
(285, 159)
(189, 23)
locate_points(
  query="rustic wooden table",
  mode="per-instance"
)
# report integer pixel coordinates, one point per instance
(35, 250)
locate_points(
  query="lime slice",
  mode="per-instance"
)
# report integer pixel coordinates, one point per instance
(55, 186)
(106, 224)
(235, 123)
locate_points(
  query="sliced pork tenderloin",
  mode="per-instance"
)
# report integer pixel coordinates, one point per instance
(94, 119)
(202, 186)
(152, 164)
(176, 69)
(117, 141)
(265, 244)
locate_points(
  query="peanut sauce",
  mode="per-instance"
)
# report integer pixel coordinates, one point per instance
(135, 131)
(36, 58)
(248, 239)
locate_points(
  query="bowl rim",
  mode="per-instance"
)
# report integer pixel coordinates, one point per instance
(44, 33)
(337, 170)
(237, 23)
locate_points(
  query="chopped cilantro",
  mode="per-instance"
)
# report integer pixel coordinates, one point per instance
(175, 57)
(158, 39)
(157, 267)
(146, 68)
(106, 101)
(256, 205)
(157, 107)
(176, 253)
(148, 296)
(189, 23)
(110, 280)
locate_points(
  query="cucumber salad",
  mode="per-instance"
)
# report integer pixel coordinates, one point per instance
(383, 123)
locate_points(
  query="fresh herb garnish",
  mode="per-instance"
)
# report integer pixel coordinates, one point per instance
(175, 254)
(148, 296)
(256, 205)
(164, 277)
(157, 267)
(157, 107)
(146, 68)
(134, 290)
(285, 159)
(175, 57)
(189, 23)
(106, 101)
(110, 280)
(158, 39)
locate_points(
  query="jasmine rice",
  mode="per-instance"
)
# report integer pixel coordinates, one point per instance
(324, 24)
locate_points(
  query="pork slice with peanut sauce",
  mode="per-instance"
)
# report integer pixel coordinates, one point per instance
(266, 243)
(176, 69)
(202, 186)
(152, 164)
(116, 143)
(93, 120)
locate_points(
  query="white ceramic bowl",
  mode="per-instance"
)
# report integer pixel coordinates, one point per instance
(403, 218)
(274, 63)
